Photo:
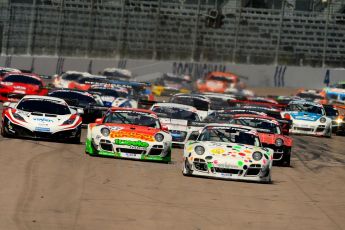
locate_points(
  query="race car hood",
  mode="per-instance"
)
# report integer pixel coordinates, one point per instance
(305, 116)
(175, 124)
(42, 122)
(130, 131)
(225, 152)
(270, 139)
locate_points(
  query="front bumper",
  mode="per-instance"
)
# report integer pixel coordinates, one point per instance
(255, 172)
(157, 152)
(314, 130)
(20, 131)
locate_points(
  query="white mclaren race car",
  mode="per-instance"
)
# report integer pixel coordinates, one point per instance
(228, 152)
(308, 118)
(41, 117)
(177, 118)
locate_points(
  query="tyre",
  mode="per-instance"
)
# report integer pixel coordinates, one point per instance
(76, 139)
(4, 130)
(286, 161)
(186, 169)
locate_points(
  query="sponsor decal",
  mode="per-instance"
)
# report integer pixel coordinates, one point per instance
(130, 143)
(115, 128)
(42, 119)
(218, 151)
(125, 134)
(42, 129)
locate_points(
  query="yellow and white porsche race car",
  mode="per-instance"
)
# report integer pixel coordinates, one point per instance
(228, 152)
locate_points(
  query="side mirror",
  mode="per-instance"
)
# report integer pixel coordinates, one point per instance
(8, 104)
(99, 121)
(165, 128)
(80, 111)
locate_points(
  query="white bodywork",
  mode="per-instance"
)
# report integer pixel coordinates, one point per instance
(227, 160)
(179, 129)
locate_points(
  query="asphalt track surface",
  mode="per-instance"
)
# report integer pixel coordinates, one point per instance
(47, 185)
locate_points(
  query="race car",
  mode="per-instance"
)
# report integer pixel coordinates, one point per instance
(68, 78)
(170, 84)
(91, 105)
(5, 70)
(129, 133)
(110, 94)
(217, 82)
(176, 118)
(225, 116)
(313, 95)
(200, 102)
(308, 118)
(335, 92)
(41, 117)
(85, 83)
(14, 86)
(228, 152)
(271, 135)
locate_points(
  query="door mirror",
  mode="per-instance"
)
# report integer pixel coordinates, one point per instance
(8, 104)
(99, 121)
(165, 128)
(193, 136)
(80, 111)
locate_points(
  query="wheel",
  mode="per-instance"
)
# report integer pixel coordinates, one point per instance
(286, 161)
(4, 131)
(186, 169)
(76, 139)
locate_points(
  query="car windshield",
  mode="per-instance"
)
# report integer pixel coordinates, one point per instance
(228, 115)
(331, 111)
(308, 108)
(132, 117)
(43, 106)
(221, 78)
(110, 92)
(195, 102)
(88, 80)
(22, 79)
(229, 135)
(218, 103)
(309, 96)
(81, 99)
(71, 76)
(175, 113)
(262, 125)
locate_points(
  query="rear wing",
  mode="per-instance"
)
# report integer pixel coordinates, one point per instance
(254, 103)
(197, 123)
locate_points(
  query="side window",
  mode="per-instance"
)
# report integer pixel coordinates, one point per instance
(194, 136)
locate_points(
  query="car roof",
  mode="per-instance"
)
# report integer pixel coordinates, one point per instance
(32, 75)
(44, 98)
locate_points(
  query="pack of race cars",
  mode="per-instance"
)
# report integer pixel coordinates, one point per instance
(230, 136)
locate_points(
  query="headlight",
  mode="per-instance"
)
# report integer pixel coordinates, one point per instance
(322, 120)
(339, 120)
(159, 137)
(279, 142)
(105, 132)
(199, 150)
(257, 156)
(18, 117)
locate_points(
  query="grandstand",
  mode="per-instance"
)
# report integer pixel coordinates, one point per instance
(296, 32)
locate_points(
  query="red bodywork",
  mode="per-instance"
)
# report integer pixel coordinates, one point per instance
(79, 86)
(13, 91)
(268, 139)
(218, 82)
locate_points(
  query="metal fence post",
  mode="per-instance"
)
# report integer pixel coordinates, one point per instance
(195, 38)
(282, 12)
(119, 37)
(58, 39)
(32, 28)
(154, 56)
(329, 2)
(91, 29)
(237, 28)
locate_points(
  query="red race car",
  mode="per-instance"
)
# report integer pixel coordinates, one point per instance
(14, 86)
(271, 136)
